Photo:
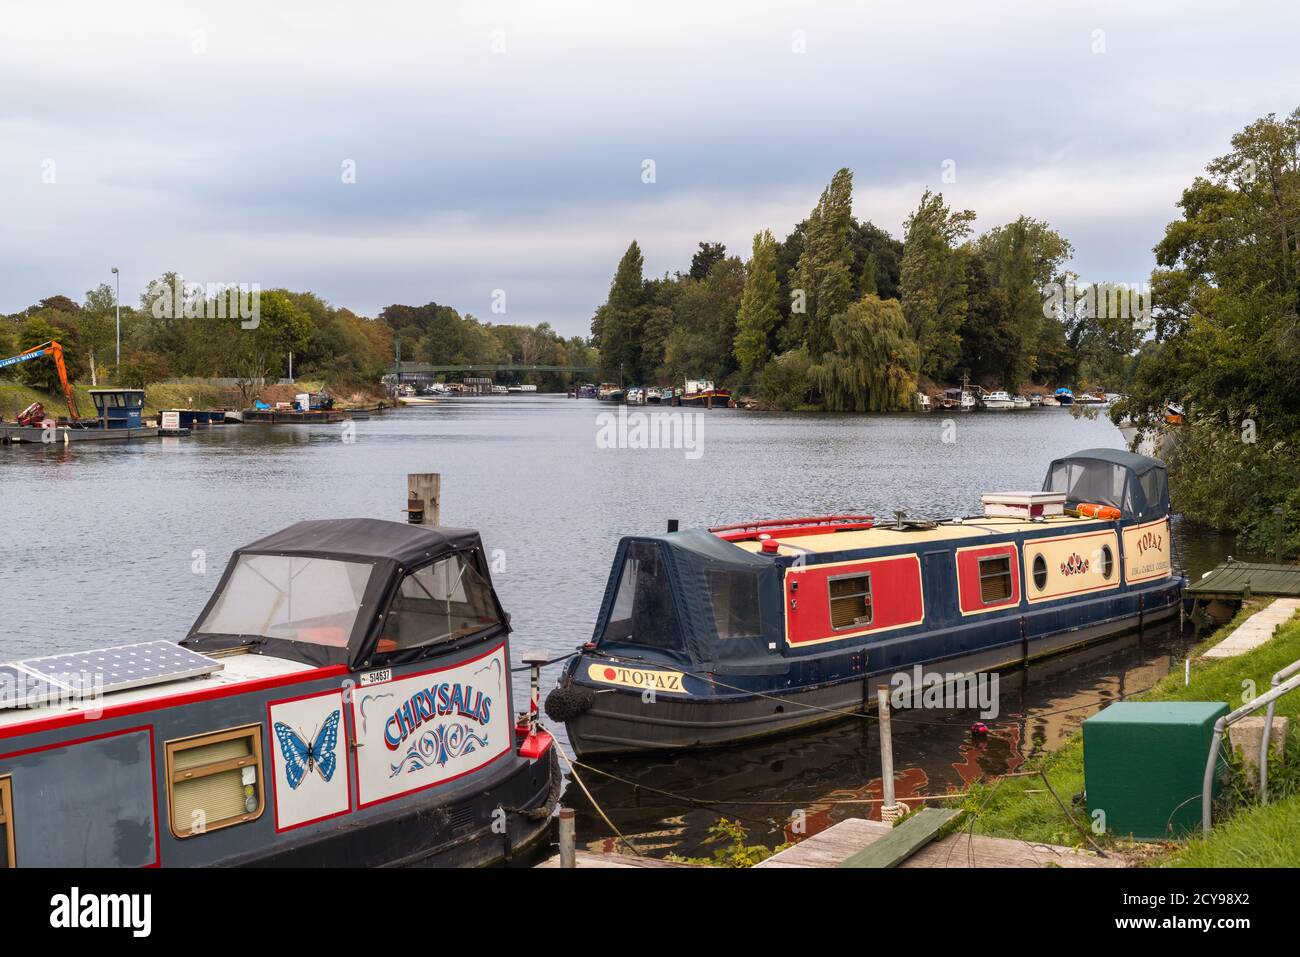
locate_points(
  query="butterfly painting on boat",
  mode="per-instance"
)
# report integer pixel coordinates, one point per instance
(301, 758)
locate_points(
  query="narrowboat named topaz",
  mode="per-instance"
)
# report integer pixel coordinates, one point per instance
(747, 631)
(344, 698)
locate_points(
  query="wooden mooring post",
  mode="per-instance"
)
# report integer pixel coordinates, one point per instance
(886, 755)
(424, 498)
(568, 837)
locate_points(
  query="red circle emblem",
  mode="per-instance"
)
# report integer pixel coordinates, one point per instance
(610, 674)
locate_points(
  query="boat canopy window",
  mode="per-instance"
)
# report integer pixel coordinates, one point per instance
(644, 612)
(438, 603)
(296, 598)
(734, 597)
(1155, 485)
(1087, 481)
(1134, 484)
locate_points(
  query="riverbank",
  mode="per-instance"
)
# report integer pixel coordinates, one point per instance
(14, 397)
(1246, 834)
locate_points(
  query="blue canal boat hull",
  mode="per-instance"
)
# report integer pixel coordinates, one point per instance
(725, 710)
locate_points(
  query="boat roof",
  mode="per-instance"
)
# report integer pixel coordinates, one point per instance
(1138, 464)
(886, 535)
(363, 538)
(237, 669)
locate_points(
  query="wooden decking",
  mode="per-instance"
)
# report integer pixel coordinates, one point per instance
(834, 846)
(1256, 629)
(853, 839)
(1233, 581)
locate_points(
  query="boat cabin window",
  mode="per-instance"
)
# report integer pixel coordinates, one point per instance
(6, 824)
(440, 602)
(995, 579)
(1040, 572)
(215, 780)
(644, 612)
(734, 596)
(850, 597)
(312, 600)
(1107, 561)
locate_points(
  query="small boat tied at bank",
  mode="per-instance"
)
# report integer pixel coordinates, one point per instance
(747, 631)
(343, 699)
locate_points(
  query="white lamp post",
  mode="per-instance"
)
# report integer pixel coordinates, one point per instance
(117, 301)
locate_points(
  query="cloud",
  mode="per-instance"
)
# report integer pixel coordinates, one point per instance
(500, 145)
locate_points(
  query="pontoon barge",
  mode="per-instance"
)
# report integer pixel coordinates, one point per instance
(344, 699)
(712, 637)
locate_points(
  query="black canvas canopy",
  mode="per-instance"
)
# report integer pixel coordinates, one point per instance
(695, 598)
(1135, 484)
(315, 591)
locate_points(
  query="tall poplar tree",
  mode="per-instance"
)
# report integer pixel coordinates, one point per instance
(760, 309)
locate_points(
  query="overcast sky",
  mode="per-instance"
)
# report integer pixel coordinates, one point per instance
(501, 145)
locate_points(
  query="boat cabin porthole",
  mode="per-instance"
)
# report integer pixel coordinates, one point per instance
(1107, 561)
(1040, 572)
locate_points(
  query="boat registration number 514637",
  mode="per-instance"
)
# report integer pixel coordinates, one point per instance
(376, 677)
(643, 679)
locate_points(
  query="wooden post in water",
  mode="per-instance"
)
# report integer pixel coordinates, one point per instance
(1277, 534)
(568, 839)
(424, 498)
(886, 751)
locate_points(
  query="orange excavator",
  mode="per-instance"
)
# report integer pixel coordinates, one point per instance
(55, 352)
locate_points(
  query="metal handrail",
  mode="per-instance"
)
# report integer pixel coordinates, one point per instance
(1267, 698)
(1286, 672)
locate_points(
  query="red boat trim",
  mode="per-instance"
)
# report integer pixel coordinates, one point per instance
(39, 725)
(788, 527)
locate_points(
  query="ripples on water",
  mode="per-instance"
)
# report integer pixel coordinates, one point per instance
(105, 544)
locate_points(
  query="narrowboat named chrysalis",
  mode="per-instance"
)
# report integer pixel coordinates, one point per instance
(712, 637)
(344, 699)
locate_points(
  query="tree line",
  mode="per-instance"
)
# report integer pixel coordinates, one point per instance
(841, 315)
(202, 333)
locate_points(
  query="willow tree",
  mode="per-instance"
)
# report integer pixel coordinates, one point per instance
(874, 360)
(760, 307)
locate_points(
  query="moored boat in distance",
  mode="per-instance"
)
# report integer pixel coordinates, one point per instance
(1020, 402)
(344, 698)
(747, 631)
(1063, 396)
(703, 394)
(999, 400)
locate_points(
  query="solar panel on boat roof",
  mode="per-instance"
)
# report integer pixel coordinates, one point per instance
(102, 670)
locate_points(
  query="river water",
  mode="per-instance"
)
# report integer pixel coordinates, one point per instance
(107, 543)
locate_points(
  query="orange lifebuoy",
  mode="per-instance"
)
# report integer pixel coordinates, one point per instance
(1087, 510)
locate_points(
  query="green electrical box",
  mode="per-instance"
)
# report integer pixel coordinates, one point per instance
(1144, 765)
